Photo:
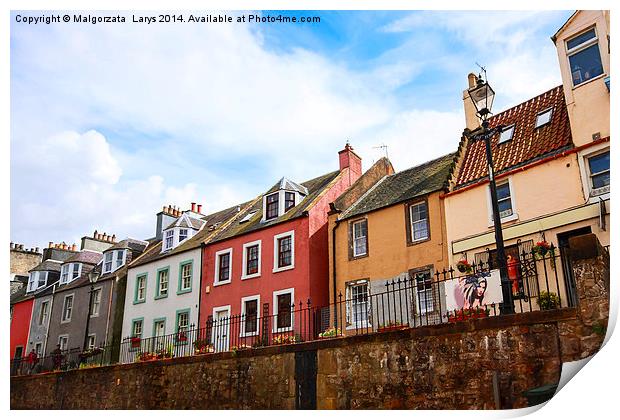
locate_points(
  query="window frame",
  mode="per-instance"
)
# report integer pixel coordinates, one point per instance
(417, 303)
(168, 236)
(409, 218)
(349, 306)
(580, 48)
(513, 202)
(134, 322)
(275, 305)
(44, 316)
(180, 287)
(218, 256)
(276, 251)
(177, 329)
(136, 300)
(65, 338)
(94, 314)
(94, 341)
(242, 331)
(106, 262)
(352, 254)
(510, 128)
(288, 194)
(246, 246)
(158, 292)
(64, 273)
(543, 112)
(63, 318)
(276, 203)
(595, 192)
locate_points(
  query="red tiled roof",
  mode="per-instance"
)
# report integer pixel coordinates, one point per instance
(528, 143)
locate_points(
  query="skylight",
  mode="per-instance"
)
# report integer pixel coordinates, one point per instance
(543, 118)
(247, 217)
(507, 133)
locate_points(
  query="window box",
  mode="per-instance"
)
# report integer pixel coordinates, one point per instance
(182, 337)
(392, 326)
(135, 342)
(203, 347)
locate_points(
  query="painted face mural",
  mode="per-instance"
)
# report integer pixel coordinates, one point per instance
(471, 290)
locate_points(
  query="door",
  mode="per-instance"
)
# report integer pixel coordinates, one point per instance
(17, 360)
(567, 265)
(221, 329)
(159, 331)
(305, 380)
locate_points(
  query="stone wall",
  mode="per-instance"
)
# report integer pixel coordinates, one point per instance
(23, 260)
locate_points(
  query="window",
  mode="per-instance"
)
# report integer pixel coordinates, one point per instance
(64, 273)
(140, 295)
(182, 234)
(95, 302)
(185, 276)
(107, 265)
(77, 270)
(136, 328)
(249, 315)
(92, 338)
(182, 324)
(418, 214)
(360, 238)
(358, 304)
(247, 217)
(159, 330)
(162, 283)
(63, 342)
(169, 241)
(283, 300)
(289, 201)
(543, 117)
(67, 308)
(38, 348)
(44, 312)
(424, 291)
(584, 57)
(42, 279)
(507, 134)
(272, 206)
(32, 281)
(120, 254)
(598, 166)
(222, 266)
(504, 200)
(251, 260)
(284, 252)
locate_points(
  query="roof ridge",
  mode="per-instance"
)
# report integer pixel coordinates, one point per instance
(352, 206)
(524, 102)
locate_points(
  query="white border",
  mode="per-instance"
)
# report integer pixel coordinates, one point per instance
(276, 251)
(216, 277)
(277, 293)
(245, 276)
(242, 332)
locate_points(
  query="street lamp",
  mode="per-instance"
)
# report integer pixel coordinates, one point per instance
(93, 276)
(482, 96)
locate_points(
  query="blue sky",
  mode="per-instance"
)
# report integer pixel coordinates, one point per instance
(111, 122)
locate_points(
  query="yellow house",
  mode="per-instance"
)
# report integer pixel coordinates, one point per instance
(393, 231)
(551, 161)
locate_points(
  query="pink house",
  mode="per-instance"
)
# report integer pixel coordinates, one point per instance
(273, 255)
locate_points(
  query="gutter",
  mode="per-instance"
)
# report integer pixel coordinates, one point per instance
(334, 263)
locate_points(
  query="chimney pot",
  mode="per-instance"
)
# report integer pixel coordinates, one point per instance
(193, 207)
(12, 245)
(21, 247)
(36, 250)
(199, 209)
(169, 211)
(113, 238)
(471, 80)
(50, 244)
(95, 234)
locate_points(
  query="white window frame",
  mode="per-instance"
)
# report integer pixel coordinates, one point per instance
(511, 129)
(218, 254)
(355, 255)
(541, 113)
(596, 192)
(186, 234)
(38, 348)
(277, 293)
(138, 277)
(349, 305)
(123, 253)
(244, 275)
(64, 320)
(66, 340)
(32, 281)
(94, 314)
(242, 332)
(92, 341)
(64, 273)
(44, 316)
(411, 222)
(424, 309)
(133, 327)
(168, 236)
(514, 215)
(45, 274)
(106, 262)
(276, 251)
(577, 49)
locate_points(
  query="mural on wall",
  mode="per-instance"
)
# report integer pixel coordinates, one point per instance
(474, 290)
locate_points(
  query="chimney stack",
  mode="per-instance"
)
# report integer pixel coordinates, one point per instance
(199, 209)
(349, 159)
(73, 247)
(194, 207)
(471, 119)
(114, 238)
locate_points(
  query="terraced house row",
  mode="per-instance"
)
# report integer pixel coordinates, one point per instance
(348, 252)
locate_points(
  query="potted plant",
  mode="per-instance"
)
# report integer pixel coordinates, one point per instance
(146, 356)
(330, 332)
(203, 346)
(541, 248)
(392, 326)
(548, 300)
(464, 266)
(182, 337)
(135, 342)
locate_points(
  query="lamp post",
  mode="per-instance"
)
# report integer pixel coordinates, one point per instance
(92, 278)
(482, 96)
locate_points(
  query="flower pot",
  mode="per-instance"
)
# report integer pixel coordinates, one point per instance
(135, 343)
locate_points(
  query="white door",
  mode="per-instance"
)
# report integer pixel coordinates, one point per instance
(221, 330)
(159, 329)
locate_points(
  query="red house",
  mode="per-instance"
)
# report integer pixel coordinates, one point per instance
(21, 313)
(270, 258)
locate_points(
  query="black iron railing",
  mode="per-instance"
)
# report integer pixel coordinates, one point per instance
(412, 300)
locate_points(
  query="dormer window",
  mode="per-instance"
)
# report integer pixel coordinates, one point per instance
(169, 240)
(113, 260)
(289, 201)
(182, 235)
(70, 272)
(36, 280)
(272, 206)
(543, 118)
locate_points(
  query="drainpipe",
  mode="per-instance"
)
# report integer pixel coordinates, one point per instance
(334, 268)
(49, 318)
(113, 287)
(202, 248)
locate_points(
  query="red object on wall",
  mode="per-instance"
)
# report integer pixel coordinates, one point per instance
(20, 325)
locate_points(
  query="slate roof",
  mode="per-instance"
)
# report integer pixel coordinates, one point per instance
(129, 243)
(86, 257)
(403, 186)
(186, 222)
(80, 281)
(211, 223)
(48, 265)
(287, 184)
(315, 188)
(528, 143)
